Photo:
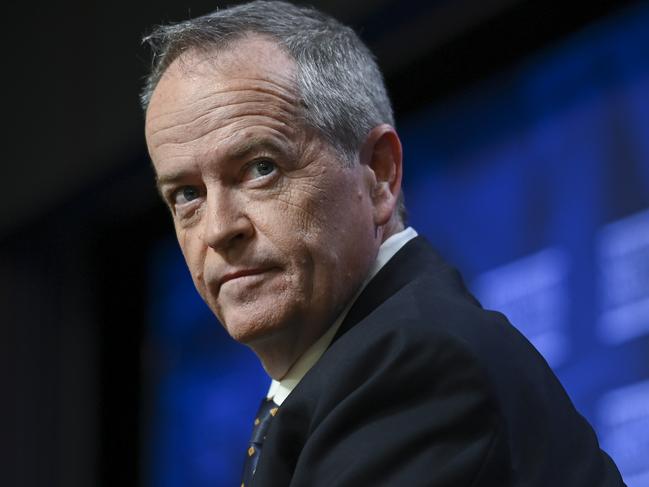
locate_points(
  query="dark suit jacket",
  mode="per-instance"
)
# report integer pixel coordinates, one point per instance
(422, 387)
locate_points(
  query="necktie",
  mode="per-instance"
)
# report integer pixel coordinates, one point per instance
(265, 414)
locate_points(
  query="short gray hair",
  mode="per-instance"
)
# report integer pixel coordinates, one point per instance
(338, 80)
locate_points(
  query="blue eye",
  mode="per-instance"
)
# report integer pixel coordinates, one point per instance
(261, 168)
(185, 195)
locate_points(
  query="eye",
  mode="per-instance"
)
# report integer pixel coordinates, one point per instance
(185, 195)
(260, 168)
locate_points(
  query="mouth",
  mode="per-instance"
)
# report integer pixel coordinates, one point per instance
(240, 273)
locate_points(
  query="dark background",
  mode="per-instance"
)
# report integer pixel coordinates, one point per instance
(85, 252)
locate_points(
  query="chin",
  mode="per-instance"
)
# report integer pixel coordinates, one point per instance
(250, 328)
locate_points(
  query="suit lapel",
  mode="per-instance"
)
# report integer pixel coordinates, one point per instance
(415, 259)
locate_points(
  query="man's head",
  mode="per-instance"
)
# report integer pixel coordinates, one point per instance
(271, 136)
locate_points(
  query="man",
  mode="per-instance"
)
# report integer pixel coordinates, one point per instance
(274, 147)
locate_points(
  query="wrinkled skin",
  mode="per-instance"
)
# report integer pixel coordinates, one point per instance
(277, 231)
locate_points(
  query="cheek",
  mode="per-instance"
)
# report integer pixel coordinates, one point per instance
(312, 225)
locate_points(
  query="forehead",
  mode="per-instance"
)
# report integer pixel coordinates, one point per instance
(252, 63)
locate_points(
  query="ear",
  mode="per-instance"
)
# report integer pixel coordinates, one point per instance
(381, 154)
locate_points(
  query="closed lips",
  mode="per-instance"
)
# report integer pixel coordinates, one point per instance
(241, 273)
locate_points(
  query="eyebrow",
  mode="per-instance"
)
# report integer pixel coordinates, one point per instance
(169, 178)
(254, 144)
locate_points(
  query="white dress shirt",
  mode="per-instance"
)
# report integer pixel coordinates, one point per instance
(279, 390)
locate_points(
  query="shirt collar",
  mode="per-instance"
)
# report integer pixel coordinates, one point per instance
(279, 390)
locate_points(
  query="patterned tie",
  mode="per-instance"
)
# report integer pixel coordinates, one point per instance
(267, 410)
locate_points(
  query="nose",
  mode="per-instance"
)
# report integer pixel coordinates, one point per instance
(226, 224)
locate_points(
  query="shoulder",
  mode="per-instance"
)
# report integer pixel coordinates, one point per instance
(433, 358)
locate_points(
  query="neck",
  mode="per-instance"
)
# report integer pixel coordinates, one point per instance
(392, 227)
(279, 352)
